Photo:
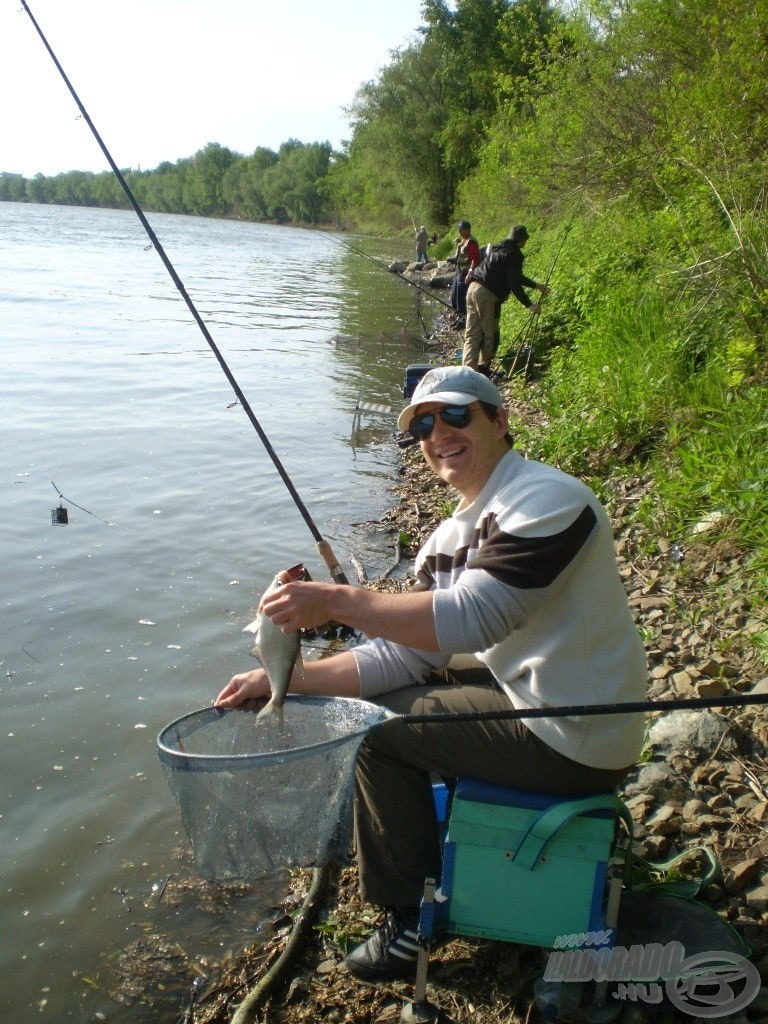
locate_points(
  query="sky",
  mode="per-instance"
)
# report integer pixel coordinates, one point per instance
(160, 79)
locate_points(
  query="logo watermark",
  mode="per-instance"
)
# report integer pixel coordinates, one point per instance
(707, 985)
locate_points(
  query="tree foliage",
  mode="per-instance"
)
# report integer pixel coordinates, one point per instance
(290, 185)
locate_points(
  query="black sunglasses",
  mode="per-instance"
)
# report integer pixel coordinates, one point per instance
(421, 426)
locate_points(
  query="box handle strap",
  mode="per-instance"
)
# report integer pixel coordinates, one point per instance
(641, 875)
(547, 825)
(664, 876)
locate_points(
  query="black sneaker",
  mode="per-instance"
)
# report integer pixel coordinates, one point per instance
(390, 953)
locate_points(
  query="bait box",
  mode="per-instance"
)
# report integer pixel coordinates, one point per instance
(521, 867)
(413, 374)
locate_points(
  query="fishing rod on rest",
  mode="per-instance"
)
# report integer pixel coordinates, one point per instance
(323, 547)
(520, 337)
(552, 266)
(383, 266)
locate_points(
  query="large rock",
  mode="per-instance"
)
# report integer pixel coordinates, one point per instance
(439, 280)
(697, 734)
(658, 780)
(700, 732)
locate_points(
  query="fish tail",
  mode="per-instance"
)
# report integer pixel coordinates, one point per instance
(268, 709)
(272, 708)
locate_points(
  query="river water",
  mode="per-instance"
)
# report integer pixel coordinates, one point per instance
(130, 615)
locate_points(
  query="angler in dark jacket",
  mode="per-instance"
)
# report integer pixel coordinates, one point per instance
(498, 276)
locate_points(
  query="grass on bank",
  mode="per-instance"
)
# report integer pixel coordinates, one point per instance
(646, 379)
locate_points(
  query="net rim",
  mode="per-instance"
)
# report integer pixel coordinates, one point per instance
(169, 755)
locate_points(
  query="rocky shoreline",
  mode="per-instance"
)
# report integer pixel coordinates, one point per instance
(703, 781)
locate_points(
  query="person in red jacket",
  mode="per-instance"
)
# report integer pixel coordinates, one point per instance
(466, 258)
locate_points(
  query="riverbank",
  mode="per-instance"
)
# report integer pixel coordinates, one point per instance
(704, 781)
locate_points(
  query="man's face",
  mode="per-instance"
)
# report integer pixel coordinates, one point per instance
(465, 456)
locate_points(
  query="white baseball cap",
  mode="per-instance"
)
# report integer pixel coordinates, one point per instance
(451, 385)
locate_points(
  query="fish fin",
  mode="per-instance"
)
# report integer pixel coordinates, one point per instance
(252, 627)
(255, 652)
(299, 663)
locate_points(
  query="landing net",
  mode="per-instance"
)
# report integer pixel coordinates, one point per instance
(255, 796)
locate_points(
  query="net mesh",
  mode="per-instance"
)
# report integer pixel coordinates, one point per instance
(256, 795)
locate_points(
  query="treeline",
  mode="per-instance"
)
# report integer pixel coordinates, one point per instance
(288, 186)
(500, 108)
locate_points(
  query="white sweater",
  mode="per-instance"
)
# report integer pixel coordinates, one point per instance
(525, 578)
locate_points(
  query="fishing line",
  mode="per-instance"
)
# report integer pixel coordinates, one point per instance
(323, 547)
(60, 515)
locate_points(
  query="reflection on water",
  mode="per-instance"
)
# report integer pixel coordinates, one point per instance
(131, 614)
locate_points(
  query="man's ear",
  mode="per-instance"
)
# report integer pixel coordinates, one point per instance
(502, 419)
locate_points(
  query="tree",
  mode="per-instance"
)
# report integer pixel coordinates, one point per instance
(13, 188)
(202, 189)
(397, 125)
(243, 185)
(419, 128)
(293, 186)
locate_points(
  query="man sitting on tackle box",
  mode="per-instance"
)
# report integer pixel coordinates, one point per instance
(523, 575)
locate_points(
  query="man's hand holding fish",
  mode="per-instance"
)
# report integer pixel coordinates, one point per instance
(404, 618)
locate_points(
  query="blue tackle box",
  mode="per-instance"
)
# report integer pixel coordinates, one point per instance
(521, 867)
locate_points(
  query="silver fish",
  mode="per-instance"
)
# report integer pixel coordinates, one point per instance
(278, 652)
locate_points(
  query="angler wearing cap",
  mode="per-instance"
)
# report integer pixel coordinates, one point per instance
(466, 258)
(498, 276)
(523, 577)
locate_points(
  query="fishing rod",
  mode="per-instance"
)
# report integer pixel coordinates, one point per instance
(587, 710)
(521, 336)
(323, 547)
(553, 264)
(383, 266)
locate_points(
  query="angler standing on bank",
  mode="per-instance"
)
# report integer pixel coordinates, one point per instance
(498, 276)
(421, 245)
(466, 258)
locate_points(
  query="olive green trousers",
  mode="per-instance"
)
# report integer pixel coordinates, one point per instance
(396, 829)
